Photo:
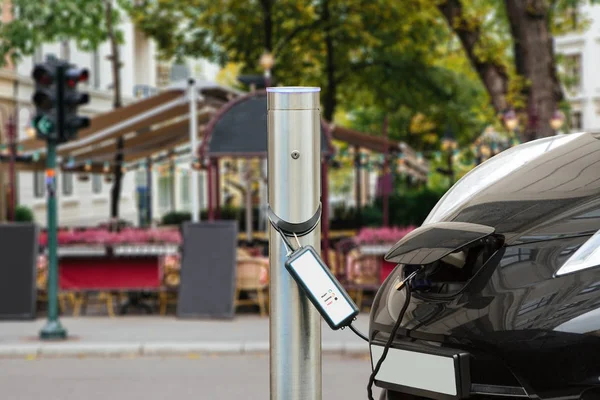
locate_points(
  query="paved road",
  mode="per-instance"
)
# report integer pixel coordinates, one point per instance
(153, 378)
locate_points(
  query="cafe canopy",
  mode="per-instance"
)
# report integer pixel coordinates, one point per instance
(149, 126)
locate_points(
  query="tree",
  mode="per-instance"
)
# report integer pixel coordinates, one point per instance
(325, 43)
(524, 76)
(87, 22)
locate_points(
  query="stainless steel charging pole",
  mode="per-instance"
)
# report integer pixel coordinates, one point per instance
(294, 158)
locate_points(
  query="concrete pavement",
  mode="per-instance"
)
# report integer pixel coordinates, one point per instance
(161, 336)
(225, 377)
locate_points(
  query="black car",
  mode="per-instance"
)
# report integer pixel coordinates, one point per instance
(505, 287)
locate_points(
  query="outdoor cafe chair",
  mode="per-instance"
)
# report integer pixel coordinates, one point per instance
(252, 276)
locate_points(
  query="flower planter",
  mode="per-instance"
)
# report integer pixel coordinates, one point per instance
(375, 249)
(145, 249)
(81, 250)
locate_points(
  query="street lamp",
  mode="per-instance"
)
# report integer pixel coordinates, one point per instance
(267, 60)
(557, 120)
(510, 120)
(448, 141)
(449, 144)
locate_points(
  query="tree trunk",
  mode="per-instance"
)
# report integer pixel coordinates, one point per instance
(493, 76)
(116, 65)
(330, 95)
(268, 23)
(535, 60)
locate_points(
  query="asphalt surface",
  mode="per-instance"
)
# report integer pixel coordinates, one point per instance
(223, 377)
(155, 335)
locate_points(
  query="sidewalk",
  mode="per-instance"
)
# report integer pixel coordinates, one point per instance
(161, 336)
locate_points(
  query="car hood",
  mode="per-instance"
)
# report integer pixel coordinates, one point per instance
(541, 190)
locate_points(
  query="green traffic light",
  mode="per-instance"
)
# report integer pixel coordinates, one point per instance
(44, 125)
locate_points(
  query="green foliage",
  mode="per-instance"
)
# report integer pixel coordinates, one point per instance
(412, 207)
(226, 213)
(38, 22)
(24, 214)
(176, 218)
(408, 208)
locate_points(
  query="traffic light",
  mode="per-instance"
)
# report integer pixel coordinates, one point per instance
(72, 100)
(45, 120)
(56, 100)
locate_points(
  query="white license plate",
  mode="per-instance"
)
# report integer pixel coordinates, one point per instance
(422, 371)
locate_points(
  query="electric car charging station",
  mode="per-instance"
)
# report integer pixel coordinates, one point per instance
(458, 317)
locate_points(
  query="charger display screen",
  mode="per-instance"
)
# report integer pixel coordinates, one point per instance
(327, 293)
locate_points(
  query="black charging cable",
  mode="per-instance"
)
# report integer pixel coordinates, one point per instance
(389, 341)
(358, 333)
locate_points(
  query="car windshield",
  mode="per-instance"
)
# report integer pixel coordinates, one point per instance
(492, 171)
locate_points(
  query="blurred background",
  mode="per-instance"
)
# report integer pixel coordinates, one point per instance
(414, 94)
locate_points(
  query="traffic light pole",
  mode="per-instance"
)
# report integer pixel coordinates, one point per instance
(53, 328)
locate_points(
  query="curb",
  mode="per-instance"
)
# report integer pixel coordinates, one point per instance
(69, 350)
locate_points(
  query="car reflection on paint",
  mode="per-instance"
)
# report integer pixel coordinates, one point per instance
(508, 285)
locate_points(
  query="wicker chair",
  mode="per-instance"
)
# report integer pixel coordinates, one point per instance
(252, 276)
(82, 300)
(342, 249)
(363, 273)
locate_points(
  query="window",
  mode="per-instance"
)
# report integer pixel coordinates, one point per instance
(38, 55)
(573, 72)
(39, 184)
(163, 75)
(185, 190)
(576, 121)
(164, 192)
(141, 178)
(96, 183)
(67, 183)
(65, 50)
(96, 69)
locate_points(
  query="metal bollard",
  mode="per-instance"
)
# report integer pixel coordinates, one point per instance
(294, 158)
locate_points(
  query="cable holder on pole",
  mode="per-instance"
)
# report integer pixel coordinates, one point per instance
(292, 229)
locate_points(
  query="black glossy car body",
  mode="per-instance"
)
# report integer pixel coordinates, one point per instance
(492, 285)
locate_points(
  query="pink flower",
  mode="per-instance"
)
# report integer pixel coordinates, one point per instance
(381, 235)
(107, 238)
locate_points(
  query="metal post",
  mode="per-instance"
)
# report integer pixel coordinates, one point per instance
(12, 140)
(53, 328)
(357, 177)
(173, 176)
(294, 155)
(386, 176)
(217, 191)
(325, 215)
(149, 204)
(211, 190)
(194, 149)
(248, 176)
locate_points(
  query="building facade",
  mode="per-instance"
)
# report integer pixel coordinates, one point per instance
(84, 200)
(579, 55)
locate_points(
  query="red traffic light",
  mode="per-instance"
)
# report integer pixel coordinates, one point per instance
(76, 75)
(41, 74)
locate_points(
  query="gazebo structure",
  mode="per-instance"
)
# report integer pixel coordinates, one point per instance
(239, 130)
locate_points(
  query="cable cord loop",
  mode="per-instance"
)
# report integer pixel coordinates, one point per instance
(389, 341)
